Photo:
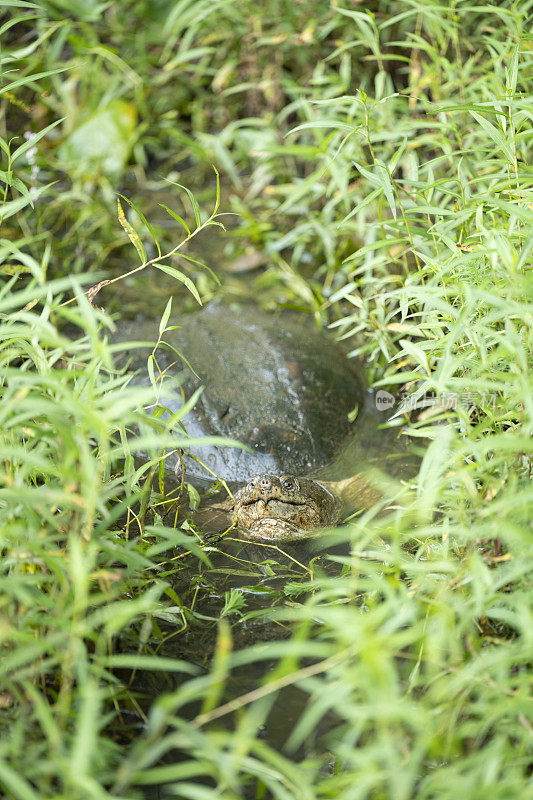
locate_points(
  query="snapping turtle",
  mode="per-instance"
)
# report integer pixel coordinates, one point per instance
(271, 381)
(286, 508)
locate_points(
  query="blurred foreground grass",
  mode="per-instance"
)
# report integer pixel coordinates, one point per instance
(379, 155)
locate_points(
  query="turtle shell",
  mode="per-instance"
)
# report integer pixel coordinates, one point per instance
(270, 380)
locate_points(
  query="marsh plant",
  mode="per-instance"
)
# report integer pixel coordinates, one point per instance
(379, 154)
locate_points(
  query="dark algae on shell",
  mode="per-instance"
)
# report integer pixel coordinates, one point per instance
(270, 380)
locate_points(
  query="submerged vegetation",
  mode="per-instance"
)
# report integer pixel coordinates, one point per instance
(376, 156)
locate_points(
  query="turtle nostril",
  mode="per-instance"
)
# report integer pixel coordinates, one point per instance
(265, 483)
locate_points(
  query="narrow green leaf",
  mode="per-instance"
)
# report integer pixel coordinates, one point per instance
(512, 72)
(18, 787)
(165, 317)
(187, 406)
(324, 123)
(159, 663)
(179, 276)
(433, 465)
(161, 478)
(416, 353)
(14, 206)
(368, 199)
(133, 236)
(194, 496)
(9, 24)
(194, 261)
(192, 198)
(484, 108)
(172, 773)
(151, 371)
(369, 248)
(370, 176)
(35, 138)
(176, 217)
(86, 727)
(31, 79)
(387, 188)
(496, 135)
(217, 199)
(145, 221)
(180, 355)
(393, 163)
(24, 52)
(525, 215)
(220, 667)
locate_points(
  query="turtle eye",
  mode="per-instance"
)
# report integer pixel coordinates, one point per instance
(289, 483)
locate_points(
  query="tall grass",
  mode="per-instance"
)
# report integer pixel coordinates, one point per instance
(380, 156)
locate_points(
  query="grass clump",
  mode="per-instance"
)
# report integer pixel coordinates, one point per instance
(380, 156)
